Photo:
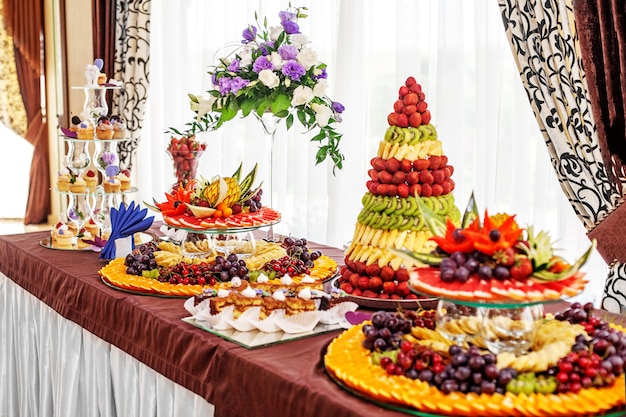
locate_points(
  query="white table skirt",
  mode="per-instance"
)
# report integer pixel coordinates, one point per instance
(50, 366)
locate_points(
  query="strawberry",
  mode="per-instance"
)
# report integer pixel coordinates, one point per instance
(385, 177)
(373, 174)
(406, 165)
(416, 88)
(403, 91)
(354, 280)
(372, 270)
(505, 257)
(409, 99)
(379, 164)
(402, 289)
(403, 120)
(183, 149)
(402, 275)
(387, 273)
(372, 187)
(415, 190)
(437, 190)
(444, 160)
(522, 268)
(369, 294)
(389, 287)
(415, 119)
(346, 287)
(410, 81)
(426, 177)
(375, 284)
(392, 119)
(364, 283)
(392, 165)
(126, 172)
(398, 106)
(392, 190)
(412, 177)
(403, 190)
(359, 266)
(427, 190)
(383, 296)
(398, 177)
(435, 161)
(447, 187)
(410, 109)
(426, 117)
(92, 174)
(421, 106)
(421, 96)
(420, 164)
(438, 176)
(382, 189)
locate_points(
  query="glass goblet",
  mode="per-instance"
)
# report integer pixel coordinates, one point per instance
(78, 209)
(101, 213)
(509, 329)
(456, 322)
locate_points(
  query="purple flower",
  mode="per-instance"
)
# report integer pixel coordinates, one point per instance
(112, 171)
(260, 64)
(290, 27)
(214, 78)
(265, 47)
(288, 52)
(338, 107)
(249, 34)
(224, 85)
(286, 16)
(237, 84)
(234, 66)
(293, 70)
(322, 75)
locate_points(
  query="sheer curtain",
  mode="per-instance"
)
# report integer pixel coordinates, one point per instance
(455, 49)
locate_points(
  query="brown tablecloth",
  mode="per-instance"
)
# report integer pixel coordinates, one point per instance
(281, 380)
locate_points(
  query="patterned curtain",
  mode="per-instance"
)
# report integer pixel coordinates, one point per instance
(132, 67)
(545, 46)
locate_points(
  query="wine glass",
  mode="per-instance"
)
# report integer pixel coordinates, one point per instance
(79, 209)
(77, 158)
(509, 329)
(457, 322)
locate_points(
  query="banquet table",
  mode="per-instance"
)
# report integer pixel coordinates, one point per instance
(72, 346)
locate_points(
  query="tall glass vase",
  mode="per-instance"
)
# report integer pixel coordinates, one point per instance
(270, 123)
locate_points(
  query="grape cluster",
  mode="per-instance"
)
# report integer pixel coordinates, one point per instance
(141, 259)
(297, 248)
(424, 318)
(528, 383)
(277, 268)
(459, 266)
(596, 359)
(226, 268)
(386, 331)
(254, 203)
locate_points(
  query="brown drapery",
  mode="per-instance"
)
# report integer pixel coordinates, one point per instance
(24, 21)
(601, 27)
(103, 17)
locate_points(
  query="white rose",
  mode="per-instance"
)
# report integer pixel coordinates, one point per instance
(269, 78)
(320, 88)
(275, 32)
(307, 57)
(277, 61)
(245, 57)
(299, 39)
(322, 114)
(301, 95)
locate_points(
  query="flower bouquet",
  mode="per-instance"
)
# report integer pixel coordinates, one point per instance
(274, 71)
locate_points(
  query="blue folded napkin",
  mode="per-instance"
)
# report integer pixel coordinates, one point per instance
(125, 222)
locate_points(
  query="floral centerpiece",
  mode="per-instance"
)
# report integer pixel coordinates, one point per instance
(273, 70)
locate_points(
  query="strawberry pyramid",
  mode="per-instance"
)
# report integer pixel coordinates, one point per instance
(409, 165)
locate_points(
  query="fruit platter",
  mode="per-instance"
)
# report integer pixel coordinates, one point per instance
(220, 204)
(163, 268)
(494, 260)
(399, 360)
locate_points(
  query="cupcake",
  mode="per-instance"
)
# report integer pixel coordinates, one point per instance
(85, 130)
(78, 185)
(112, 185)
(104, 129)
(63, 182)
(92, 228)
(119, 127)
(124, 178)
(64, 237)
(91, 180)
(102, 78)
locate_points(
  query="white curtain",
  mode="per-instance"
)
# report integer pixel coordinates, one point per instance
(456, 49)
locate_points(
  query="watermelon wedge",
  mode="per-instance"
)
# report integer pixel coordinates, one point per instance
(263, 217)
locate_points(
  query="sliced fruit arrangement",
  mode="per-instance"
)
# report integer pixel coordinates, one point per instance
(494, 260)
(409, 169)
(221, 202)
(162, 268)
(575, 367)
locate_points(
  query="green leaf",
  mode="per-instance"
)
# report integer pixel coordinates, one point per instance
(435, 223)
(471, 212)
(247, 105)
(289, 121)
(281, 105)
